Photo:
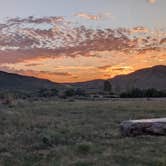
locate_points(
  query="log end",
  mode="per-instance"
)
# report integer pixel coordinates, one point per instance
(143, 127)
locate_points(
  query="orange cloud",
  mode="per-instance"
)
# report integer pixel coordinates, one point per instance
(87, 16)
(96, 17)
(104, 67)
(139, 29)
(151, 1)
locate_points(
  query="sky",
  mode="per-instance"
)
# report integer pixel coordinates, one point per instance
(80, 40)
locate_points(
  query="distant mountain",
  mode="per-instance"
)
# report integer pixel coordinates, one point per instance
(154, 77)
(9, 81)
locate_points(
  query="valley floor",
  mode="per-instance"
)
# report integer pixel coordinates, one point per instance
(78, 133)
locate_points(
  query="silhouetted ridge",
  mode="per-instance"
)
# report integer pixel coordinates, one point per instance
(10, 81)
(153, 77)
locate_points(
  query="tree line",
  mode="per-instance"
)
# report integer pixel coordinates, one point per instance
(73, 92)
(136, 93)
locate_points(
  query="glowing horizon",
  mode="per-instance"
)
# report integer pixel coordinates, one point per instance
(83, 41)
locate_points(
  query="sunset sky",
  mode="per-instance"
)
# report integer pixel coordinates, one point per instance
(80, 40)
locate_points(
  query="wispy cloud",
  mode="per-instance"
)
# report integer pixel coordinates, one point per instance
(139, 29)
(37, 73)
(104, 67)
(33, 20)
(87, 16)
(95, 17)
(32, 64)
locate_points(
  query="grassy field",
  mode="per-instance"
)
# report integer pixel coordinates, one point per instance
(78, 133)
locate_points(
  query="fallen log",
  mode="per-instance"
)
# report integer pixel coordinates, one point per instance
(144, 127)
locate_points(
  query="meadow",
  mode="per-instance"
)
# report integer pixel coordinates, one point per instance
(53, 132)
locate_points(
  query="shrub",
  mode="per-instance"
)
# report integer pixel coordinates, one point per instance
(47, 92)
(69, 92)
(84, 148)
(51, 137)
(80, 92)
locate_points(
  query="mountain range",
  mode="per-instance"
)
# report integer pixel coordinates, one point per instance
(153, 77)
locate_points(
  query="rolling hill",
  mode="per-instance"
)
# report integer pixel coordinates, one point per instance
(154, 77)
(10, 81)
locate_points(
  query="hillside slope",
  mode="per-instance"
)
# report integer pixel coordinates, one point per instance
(9, 81)
(154, 77)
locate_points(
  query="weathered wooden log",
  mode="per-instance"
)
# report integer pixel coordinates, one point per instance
(144, 127)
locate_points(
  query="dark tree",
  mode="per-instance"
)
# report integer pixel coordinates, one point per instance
(107, 86)
(54, 91)
(47, 92)
(80, 92)
(43, 92)
(152, 93)
(69, 92)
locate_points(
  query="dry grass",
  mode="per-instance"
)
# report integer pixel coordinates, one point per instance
(79, 133)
